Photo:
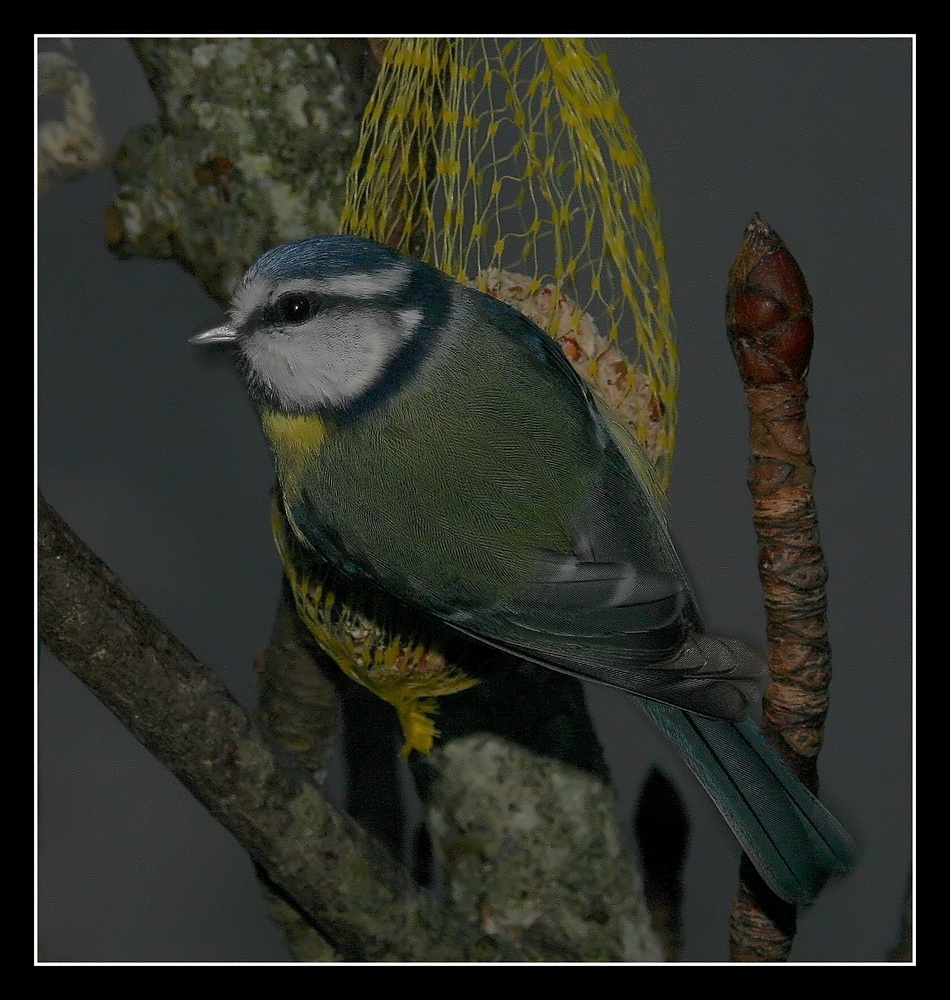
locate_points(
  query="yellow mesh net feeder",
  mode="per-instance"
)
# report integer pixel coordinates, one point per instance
(510, 166)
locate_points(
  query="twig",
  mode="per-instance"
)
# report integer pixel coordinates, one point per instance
(662, 830)
(768, 315)
(299, 714)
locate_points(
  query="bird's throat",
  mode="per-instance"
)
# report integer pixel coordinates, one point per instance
(295, 440)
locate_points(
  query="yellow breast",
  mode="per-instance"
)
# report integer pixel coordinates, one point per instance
(295, 440)
(397, 668)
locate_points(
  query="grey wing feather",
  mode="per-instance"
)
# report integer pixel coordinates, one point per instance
(617, 625)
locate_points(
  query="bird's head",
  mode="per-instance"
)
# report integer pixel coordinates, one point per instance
(327, 323)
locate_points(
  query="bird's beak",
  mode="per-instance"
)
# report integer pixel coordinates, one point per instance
(224, 334)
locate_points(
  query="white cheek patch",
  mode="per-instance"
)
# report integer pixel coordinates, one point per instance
(274, 362)
(364, 344)
(330, 361)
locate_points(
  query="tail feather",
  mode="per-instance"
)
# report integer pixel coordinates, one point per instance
(793, 841)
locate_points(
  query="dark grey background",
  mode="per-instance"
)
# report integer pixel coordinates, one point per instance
(151, 451)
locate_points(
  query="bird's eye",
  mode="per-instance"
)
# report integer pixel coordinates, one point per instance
(294, 308)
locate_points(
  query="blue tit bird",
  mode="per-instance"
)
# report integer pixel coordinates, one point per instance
(432, 442)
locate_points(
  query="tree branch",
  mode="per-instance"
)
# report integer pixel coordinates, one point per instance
(349, 886)
(768, 314)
